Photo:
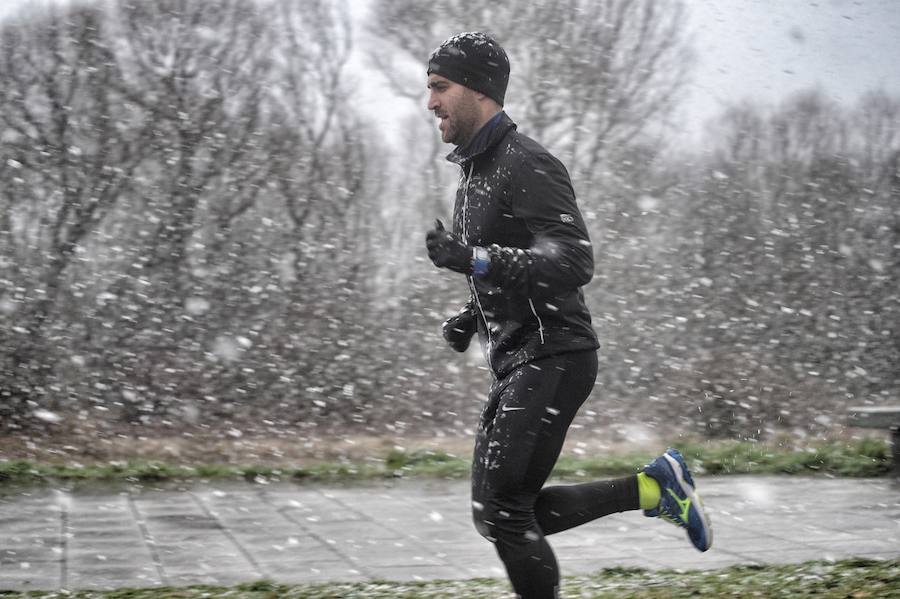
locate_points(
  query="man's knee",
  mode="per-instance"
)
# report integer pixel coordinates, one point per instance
(484, 522)
(500, 521)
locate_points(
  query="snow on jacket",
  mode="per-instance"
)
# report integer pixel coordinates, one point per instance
(516, 199)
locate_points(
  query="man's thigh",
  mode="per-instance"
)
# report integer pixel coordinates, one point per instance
(524, 424)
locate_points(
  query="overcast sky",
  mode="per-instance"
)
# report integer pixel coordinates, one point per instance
(766, 49)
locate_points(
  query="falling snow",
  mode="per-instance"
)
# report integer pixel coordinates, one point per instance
(224, 261)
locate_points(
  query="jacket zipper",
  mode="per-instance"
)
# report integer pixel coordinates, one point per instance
(471, 279)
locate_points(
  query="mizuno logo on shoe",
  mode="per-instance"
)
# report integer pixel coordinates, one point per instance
(684, 504)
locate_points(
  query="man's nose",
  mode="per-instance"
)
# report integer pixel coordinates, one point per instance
(432, 101)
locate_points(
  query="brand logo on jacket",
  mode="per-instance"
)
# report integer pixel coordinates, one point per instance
(567, 218)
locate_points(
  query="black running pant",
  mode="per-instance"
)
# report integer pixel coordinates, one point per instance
(519, 438)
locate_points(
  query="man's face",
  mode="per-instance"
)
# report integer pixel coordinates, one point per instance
(456, 107)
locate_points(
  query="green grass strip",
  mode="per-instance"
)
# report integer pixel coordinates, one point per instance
(862, 458)
(858, 458)
(25, 472)
(841, 579)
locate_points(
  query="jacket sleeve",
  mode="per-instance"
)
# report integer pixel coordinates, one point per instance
(561, 257)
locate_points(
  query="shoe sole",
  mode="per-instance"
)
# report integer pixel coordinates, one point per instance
(688, 490)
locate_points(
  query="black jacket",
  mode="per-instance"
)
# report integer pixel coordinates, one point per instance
(517, 200)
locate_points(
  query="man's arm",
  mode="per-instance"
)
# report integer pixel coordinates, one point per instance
(561, 257)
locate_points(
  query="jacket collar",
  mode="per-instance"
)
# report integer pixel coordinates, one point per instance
(487, 137)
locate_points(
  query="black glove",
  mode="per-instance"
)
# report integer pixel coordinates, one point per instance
(458, 329)
(447, 250)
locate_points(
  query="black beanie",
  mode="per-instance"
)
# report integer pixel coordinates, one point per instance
(475, 60)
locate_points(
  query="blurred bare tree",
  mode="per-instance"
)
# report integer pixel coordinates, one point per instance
(795, 232)
(202, 161)
(595, 82)
(72, 144)
(197, 228)
(192, 69)
(322, 173)
(588, 78)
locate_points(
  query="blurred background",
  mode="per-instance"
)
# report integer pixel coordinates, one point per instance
(212, 216)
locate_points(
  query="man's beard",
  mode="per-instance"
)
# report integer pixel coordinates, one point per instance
(461, 127)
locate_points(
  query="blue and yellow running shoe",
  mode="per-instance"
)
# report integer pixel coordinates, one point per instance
(679, 502)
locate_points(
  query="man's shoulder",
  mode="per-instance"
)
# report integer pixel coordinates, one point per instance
(525, 149)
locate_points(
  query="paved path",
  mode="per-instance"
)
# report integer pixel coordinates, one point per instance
(404, 530)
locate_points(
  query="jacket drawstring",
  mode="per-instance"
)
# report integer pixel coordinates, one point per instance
(540, 322)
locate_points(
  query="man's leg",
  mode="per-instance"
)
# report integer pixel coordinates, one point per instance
(521, 433)
(567, 506)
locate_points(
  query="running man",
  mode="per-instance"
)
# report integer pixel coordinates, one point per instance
(519, 238)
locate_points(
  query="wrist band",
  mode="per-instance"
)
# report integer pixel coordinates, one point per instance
(481, 261)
